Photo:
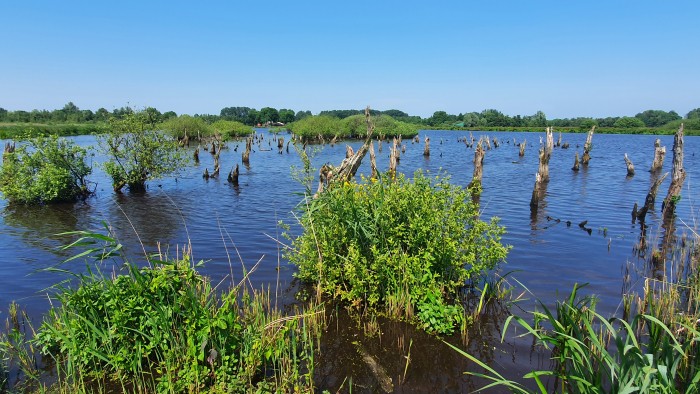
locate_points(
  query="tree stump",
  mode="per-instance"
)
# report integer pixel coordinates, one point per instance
(393, 162)
(248, 147)
(206, 173)
(233, 176)
(496, 144)
(426, 150)
(395, 150)
(559, 140)
(630, 166)
(196, 155)
(545, 154)
(379, 147)
(348, 151)
(678, 175)
(479, 154)
(280, 145)
(522, 148)
(372, 161)
(650, 199)
(587, 147)
(576, 163)
(659, 154)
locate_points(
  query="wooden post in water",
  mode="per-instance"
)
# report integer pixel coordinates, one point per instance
(233, 176)
(650, 199)
(479, 154)
(677, 176)
(426, 150)
(587, 147)
(659, 154)
(576, 163)
(630, 166)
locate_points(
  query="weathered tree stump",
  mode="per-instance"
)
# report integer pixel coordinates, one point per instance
(196, 155)
(9, 148)
(395, 150)
(373, 161)
(479, 154)
(379, 147)
(280, 145)
(545, 154)
(565, 145)
(559, 140)
(630, 166)
(426, 150)
(348, 151)
(659, 154)
(233, 176)
(650, 199)
(416, 139)
(206, 174)
(393, 162)
(488, 142)
(496, 144)
(213, 148)
(678, 175)
(576, 163)
(522, 146)
(587, 147)
(536, 193)
(248, 147)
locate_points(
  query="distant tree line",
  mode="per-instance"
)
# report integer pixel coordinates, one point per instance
(70, 113)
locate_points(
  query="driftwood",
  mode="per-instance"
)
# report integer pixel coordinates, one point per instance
(522, 146)
(650, 199)
(233, 176)
(659, 154)
(630, 166)
(576, 163)
(587, 147)
(479, 153)
(426, 150)
(678, 175)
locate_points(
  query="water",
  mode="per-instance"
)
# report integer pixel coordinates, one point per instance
(229, 227)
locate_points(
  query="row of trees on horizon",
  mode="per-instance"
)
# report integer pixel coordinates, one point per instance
(70, 113)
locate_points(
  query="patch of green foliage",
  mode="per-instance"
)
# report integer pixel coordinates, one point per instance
(45, 170)
(355, 126)
(311, 127)
(138, 153)
(166, 329)
(32, 130)
(404, 247)
(232, 129)
(593, 354)
(194, 127)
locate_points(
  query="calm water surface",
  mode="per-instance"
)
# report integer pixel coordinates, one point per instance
(228, 227)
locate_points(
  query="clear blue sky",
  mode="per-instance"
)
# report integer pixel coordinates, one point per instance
(566, 58)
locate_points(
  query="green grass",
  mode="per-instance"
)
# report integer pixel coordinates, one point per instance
(166, 328)
(30, 130)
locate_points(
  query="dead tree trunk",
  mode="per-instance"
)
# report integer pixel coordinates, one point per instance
(372, 161)
(650, 199)
(196, 155)
(348, 151)
(479, 154)
(630, 166)
(496, 144)
(233, 176)
(536, 193)
(392, 160)
(522, 148)
(559, 140)
(544, 155)
(248, 147)
(426, 150)
(677, 177)
(659, 154)
(576, 163)
(395, 150)
(587, 147)
(280, 145)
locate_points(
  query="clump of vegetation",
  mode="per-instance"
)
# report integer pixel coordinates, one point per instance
(401, 247)
(45, 170)
(164, 328)
(232, 129)
(186, 125)
(384, 126)
(311, 127)
(138, 153)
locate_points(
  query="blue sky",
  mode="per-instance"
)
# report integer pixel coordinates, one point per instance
(566, 58)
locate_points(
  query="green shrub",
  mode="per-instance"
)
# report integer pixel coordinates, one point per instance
(398, 246)
(45, 170)
(137, 153)
(32, 130)
(231, 129)
(384, 125)
(194, 128)
(310, 128)
(165, 328)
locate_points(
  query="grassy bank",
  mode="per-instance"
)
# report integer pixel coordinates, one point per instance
(26, 130)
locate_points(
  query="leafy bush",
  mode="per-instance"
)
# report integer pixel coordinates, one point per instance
(166, 329)
(401, 246)
(312, 127)
(384, 125)
(194, 128)
(138, 153)
(231, 129)
(45, 170)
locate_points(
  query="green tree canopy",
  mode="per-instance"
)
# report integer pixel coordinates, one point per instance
(693, 114)
(656, 118)
(627, 122)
